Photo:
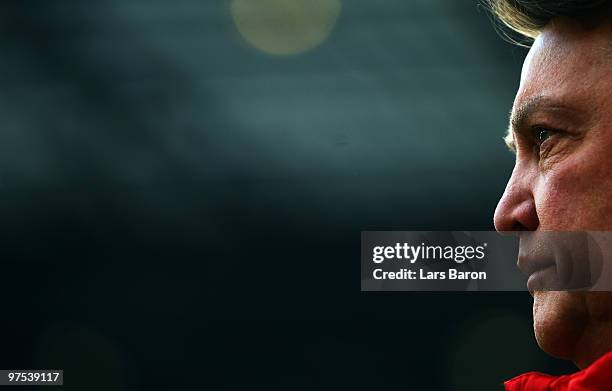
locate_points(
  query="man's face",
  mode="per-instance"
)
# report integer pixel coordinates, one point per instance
(561, 128)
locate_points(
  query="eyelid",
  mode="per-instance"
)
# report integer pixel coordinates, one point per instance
(538, 128)
(553, 130)
(525, 137)
(527, 134)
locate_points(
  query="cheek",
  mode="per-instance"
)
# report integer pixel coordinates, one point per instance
(575, 195)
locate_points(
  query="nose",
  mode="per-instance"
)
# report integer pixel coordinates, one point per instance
(516, 210)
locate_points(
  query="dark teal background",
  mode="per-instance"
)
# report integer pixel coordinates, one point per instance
(182, 211)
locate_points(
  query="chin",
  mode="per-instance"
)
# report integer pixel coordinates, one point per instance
(559, 321)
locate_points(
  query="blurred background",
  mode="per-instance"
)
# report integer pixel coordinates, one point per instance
(184, 184)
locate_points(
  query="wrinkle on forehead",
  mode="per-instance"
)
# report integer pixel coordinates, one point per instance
(567, 61)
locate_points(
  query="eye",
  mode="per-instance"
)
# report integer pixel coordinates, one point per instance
(542, 134)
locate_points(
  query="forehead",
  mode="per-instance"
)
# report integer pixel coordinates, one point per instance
(568, 62)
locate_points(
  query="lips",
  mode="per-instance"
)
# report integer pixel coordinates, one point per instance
(559, 261)
(545, 279)
(530, 265)
(541, 272)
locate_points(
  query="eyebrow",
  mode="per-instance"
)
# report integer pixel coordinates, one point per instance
(520, 116)
(517, 118)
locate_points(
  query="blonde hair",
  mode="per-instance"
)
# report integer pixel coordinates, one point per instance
(528, 17)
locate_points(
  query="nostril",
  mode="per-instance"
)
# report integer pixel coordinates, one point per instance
(513, 217)
(519, 227)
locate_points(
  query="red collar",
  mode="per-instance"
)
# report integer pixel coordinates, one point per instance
(595, 377)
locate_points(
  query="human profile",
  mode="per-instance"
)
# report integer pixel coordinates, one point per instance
(561, 132)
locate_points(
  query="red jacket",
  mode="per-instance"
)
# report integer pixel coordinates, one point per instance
(595, 377)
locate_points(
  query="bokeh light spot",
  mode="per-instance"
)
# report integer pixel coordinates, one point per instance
(285, 27)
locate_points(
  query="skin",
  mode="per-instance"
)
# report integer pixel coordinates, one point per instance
(561, 130)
